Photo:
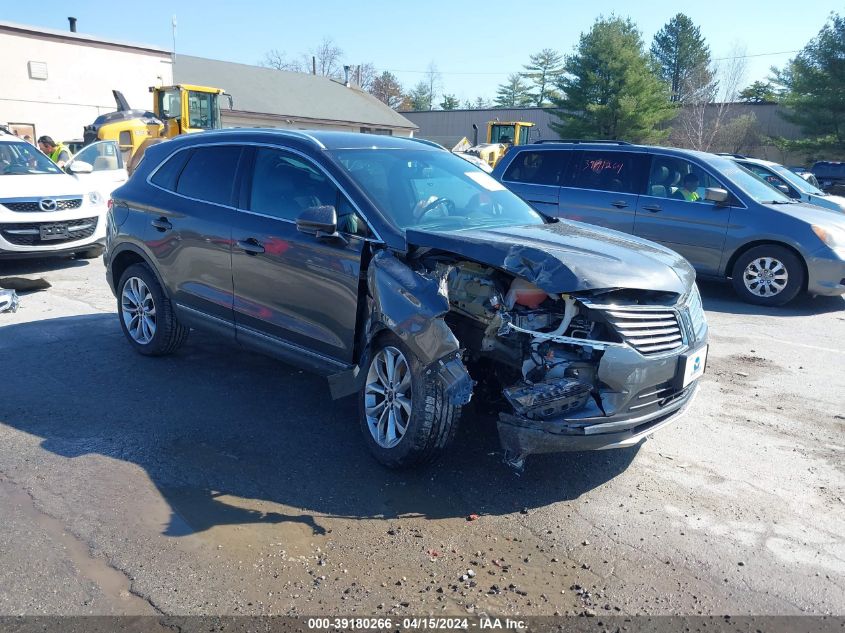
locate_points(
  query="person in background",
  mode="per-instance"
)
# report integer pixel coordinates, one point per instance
(688, 191)
(28, 139)
(58, 153)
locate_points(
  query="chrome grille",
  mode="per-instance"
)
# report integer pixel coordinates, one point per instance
(649, 331)
(28, 206)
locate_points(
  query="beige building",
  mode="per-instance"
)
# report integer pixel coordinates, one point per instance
(60, 81)
(56, 82)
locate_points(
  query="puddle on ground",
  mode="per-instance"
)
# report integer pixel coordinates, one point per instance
(114, 585)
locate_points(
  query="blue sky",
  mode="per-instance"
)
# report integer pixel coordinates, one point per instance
(475, 45)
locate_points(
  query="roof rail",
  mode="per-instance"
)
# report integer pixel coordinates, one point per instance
(577, 141)
(731, 155)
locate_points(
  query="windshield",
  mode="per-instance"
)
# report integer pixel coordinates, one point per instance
(433, 190)
(501, 133)
(796, 181)
(751, 184)
(18, 159)
(202, 110)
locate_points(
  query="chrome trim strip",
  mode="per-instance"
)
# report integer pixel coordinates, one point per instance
(291, 346)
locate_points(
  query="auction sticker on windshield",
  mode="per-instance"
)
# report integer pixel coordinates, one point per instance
(693, 365)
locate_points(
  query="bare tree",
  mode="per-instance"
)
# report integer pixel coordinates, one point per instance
(709, 94)
(276, 59)
(739, 134)
(328, 56)
(433, 79)
(365, 75)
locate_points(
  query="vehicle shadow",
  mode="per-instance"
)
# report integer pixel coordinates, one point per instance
(720, 297)
(212, 423)
(39, 265)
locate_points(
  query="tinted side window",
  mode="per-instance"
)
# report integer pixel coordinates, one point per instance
(540, 168)
(672, 177)
(284, 185)
(210, 174)
(609, 171)
(168, 173)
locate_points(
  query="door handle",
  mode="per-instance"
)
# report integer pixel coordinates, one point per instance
(162, 224)
(619, 204)
(654, 208)
(251, 246)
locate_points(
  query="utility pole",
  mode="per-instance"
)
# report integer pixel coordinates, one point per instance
(173, 27)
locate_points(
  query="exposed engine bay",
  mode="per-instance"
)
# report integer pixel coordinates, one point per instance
(545, 348)
(589, 368)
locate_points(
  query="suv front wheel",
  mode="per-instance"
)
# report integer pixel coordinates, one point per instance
(146, 314)
(405, 416)
(768, 275)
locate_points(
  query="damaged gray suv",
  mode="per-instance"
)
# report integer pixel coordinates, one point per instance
(412, 279)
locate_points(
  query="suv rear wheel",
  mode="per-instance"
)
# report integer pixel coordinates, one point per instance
(146, 314)
(404, 414)
(768, 275)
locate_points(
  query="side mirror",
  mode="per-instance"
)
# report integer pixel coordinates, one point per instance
(80, 167)
(783, 188)
(714, 194)
(320, 222)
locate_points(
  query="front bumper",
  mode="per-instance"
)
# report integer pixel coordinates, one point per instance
(521, 436)
(826, 273)
(20, 237)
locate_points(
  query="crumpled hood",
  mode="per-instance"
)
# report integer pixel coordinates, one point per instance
(567, 256)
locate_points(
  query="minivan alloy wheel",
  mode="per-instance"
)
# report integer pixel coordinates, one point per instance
(138, 310)
(765, 276)
(388, 397)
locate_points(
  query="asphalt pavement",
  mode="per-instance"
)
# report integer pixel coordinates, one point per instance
(218, 481)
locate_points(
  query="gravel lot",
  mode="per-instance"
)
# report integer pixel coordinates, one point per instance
(218, 481)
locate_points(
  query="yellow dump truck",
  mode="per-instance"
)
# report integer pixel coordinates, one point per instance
(180, 109)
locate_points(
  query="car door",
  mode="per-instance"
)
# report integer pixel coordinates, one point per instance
(108, 173)
(695, 229)
(191, 234)
(602, 188)
(295, 292)
(535, 176)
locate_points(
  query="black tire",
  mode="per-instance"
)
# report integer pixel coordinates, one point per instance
(169, 334)
(90, 253)
(786, 259)
(433, 420)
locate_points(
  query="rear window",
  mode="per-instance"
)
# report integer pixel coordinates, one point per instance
(210, 174)
(540, 168)
(167, 175)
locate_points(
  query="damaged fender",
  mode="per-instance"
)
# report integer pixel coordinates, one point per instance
(411, 305)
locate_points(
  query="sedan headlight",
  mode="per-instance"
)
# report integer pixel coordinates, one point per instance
(94, 197)
(834, 238)
(695, 310)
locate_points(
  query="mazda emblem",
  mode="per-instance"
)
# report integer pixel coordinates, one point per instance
(47, 204)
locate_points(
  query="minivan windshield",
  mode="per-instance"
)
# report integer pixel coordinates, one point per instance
(751, 184)
(433, 190)
(21, 158)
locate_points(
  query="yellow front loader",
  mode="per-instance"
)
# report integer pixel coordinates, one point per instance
(180, 109)
(501, 136)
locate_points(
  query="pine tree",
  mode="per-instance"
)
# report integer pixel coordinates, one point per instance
(543, 69)
(610, 90)
(420, 97)
(814, 90)
(450, 102)
(759, 92)
(513, 94)
(681, 53)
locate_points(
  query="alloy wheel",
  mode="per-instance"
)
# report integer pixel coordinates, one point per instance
(765, 277)
(138, 310)
(388, 397)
